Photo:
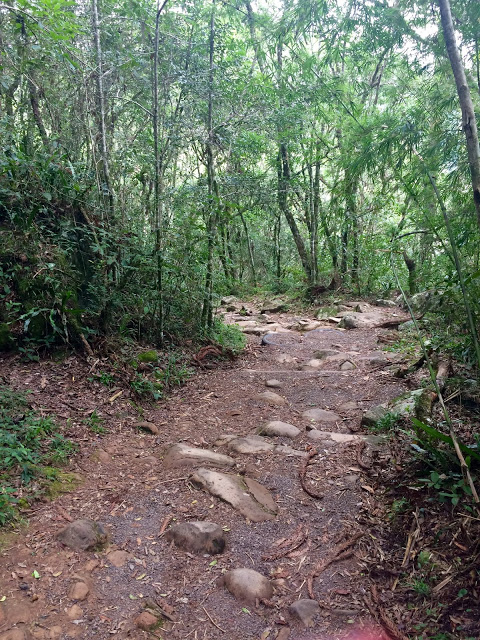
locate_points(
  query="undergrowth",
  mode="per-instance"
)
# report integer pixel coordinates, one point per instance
(31, 448)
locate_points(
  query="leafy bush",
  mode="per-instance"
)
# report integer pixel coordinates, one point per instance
(27, 443)
(228, 336)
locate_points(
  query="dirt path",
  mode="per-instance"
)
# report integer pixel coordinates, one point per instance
(137, 488)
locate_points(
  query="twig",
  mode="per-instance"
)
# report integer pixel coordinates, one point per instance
(212, 620)
(303, 472)
(172, 480)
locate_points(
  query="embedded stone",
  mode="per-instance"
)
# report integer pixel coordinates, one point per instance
(75, 612)
(245, 495)
(321, 415)
(83, 535)
(305, 610)
(279, 428)
(324, 353)
(146, 621)
(79, 591)
(314, 363)
(198, 537)
(271, 398)
(285, 358)
(183, 455)
(248, 585)
(250, 444)
(350, 405)
(347, 366)
(316, 434)
(118, 558)
(273, 384)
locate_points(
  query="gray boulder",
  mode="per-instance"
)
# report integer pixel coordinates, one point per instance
(198, 537)
(83, 535)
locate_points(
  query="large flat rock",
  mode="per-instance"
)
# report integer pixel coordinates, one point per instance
(183, 455)
(321, 415)
(245, 495)
(279, 428)
(250, 444)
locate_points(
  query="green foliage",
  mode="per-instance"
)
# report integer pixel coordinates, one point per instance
(386, 423)
(95, 423)
(104, 377)
(228, 336)
(27, 442)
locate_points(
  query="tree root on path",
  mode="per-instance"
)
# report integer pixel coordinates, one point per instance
(379, 614)
(312, 452)
(287, 545)
(361, 446)
(341, 552)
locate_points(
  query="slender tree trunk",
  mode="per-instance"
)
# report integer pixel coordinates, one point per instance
(37, 116)
(253, 35)
(412, 273)
(283, 183)
(207, 310)
(277, 256)
(249, 245)
(107, 191)
(315, 218)
(469, 122)
(157, 187)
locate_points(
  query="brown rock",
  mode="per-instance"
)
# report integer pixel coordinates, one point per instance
(91, 565)
(19, 612)
(83, 535)
(146, 621)
(248, 585)
(75, 612)
(118, 558)
(102, 456)
(79, 591)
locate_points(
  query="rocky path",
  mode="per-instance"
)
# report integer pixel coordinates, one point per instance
(245, 515)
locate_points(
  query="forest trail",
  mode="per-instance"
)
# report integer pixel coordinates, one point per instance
(311, 386)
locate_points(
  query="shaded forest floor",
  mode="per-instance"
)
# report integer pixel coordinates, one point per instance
(330, 529)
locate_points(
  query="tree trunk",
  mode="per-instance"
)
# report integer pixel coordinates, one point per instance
(253, 35)
(107, 191)
(412, 273)
(37, 116)
(469, 123)
(283, 183)
(207, 310)
(158, 181)
(250, 249)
